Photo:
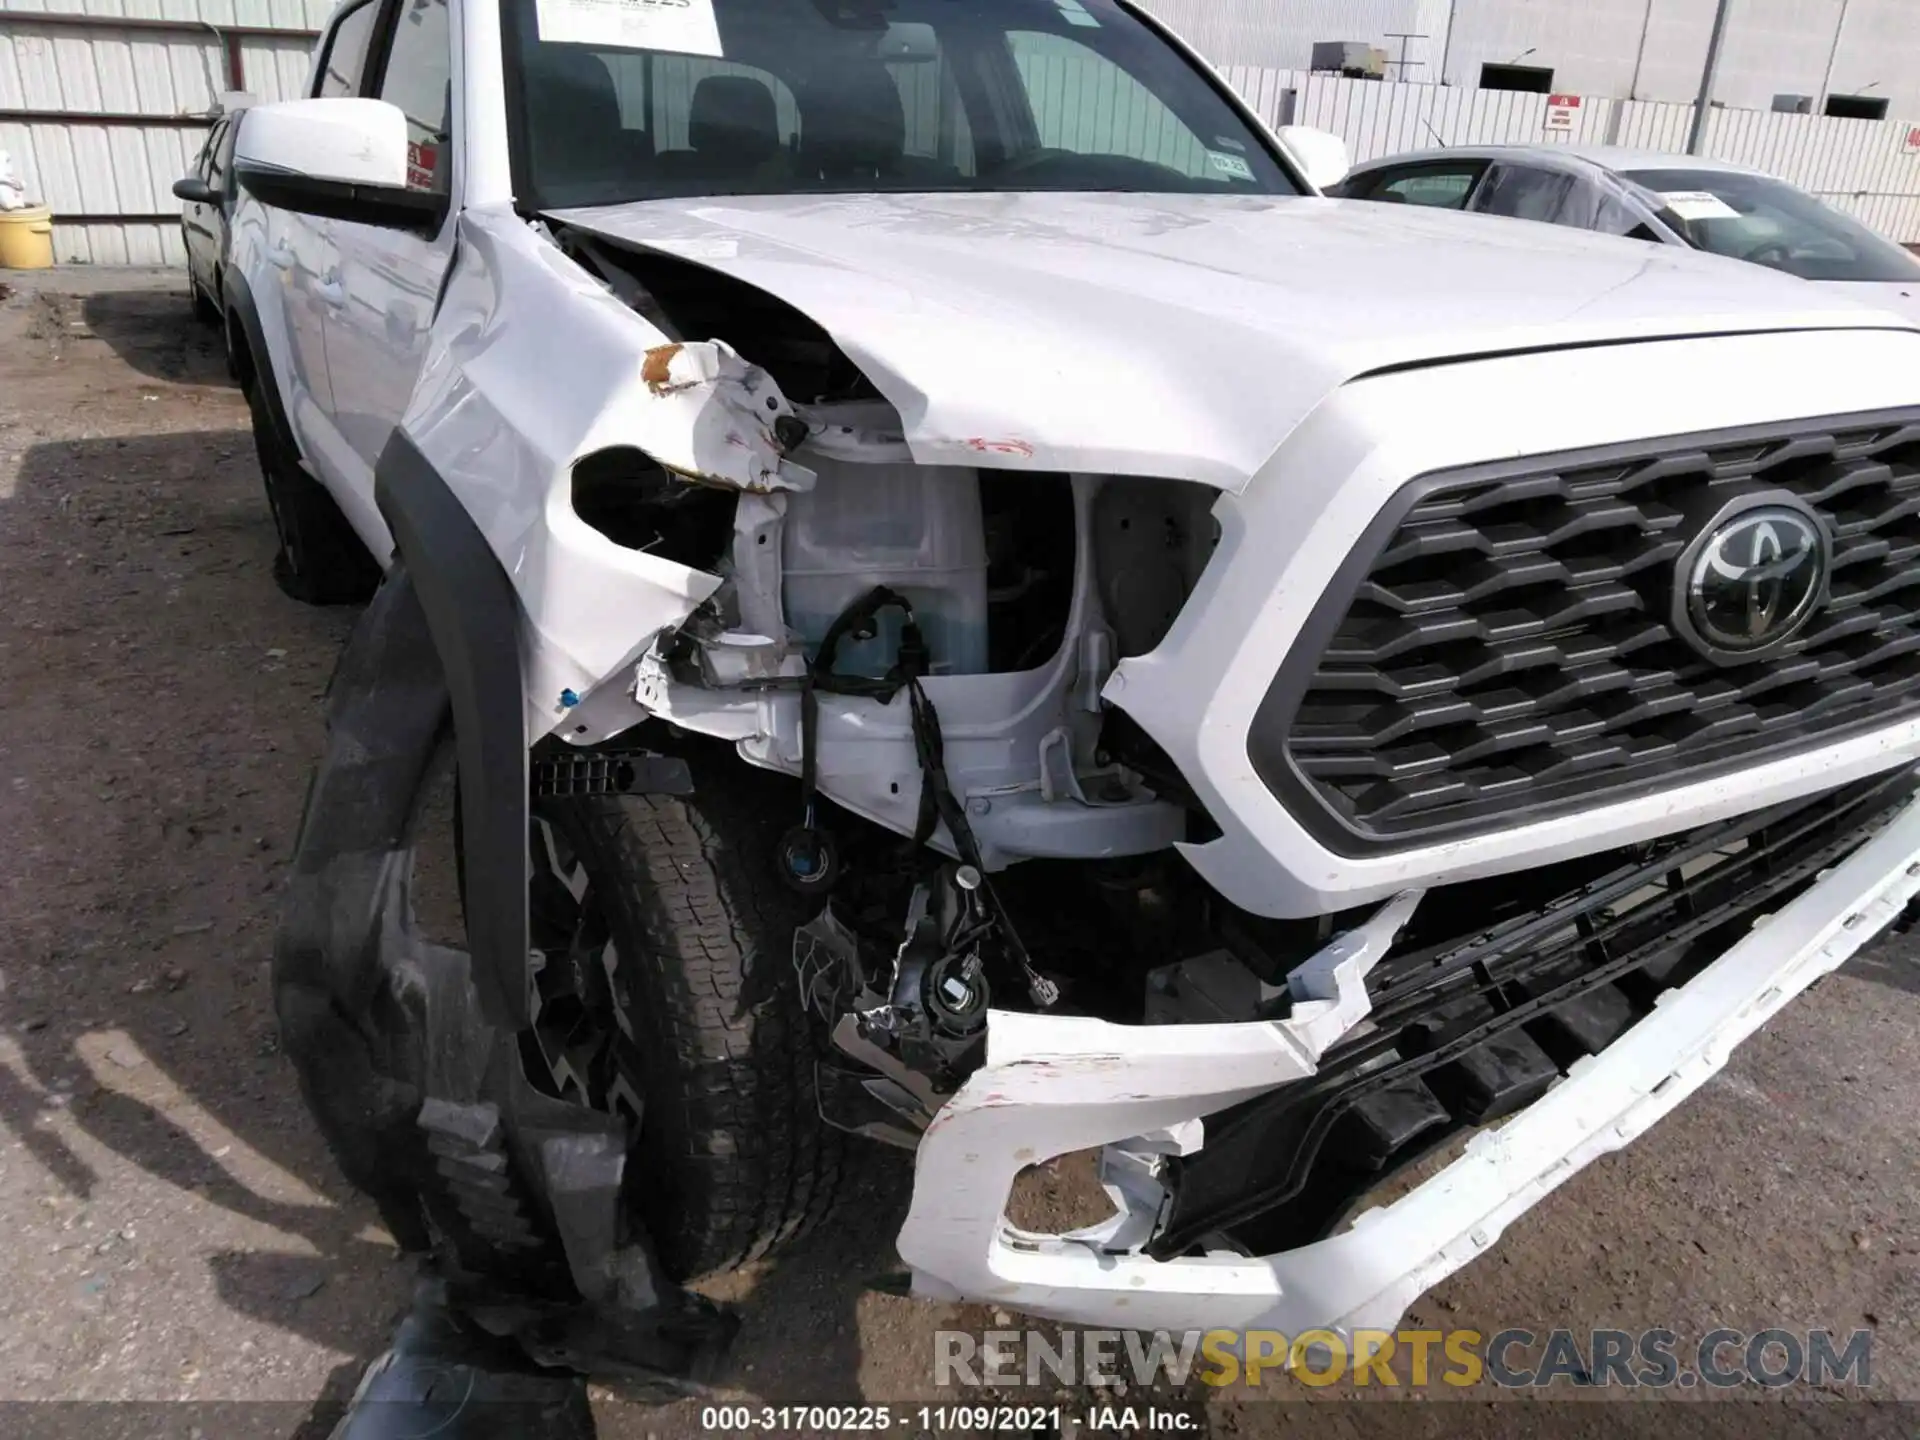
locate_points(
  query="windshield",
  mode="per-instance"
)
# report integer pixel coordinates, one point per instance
(616, 100)
(1752, 217)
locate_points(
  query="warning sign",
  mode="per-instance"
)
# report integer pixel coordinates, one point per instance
(421, 160)
(1561, 112)
(1913, 140)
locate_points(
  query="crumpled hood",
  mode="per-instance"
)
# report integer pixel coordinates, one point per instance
(1181, 336)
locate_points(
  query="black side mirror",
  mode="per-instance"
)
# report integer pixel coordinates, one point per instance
(391, 207)
(194, 189)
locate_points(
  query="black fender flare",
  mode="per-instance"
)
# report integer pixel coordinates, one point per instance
(474, 617)
(520, 1196)
(242, 310)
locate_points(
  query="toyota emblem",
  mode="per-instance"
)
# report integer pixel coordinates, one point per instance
(1752, 578)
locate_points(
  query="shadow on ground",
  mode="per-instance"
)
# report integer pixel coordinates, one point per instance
(145, 329)
(166, 735)
(1892, 962)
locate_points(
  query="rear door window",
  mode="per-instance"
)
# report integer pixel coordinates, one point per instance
(1592, 206)
(1438, 187)
(1525, 193)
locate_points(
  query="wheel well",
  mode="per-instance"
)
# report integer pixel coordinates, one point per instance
(243, 366)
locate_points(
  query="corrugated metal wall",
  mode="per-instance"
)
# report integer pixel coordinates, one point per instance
(126, 105)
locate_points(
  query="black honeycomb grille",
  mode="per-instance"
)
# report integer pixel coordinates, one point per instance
(1507, 648)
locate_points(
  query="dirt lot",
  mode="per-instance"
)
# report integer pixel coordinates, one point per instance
(170, 1225)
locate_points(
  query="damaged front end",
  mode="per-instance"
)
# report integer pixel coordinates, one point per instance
(1245, 1139)
(947, 658)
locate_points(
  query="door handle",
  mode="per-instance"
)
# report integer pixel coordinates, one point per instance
(329, 289)
(281, 256)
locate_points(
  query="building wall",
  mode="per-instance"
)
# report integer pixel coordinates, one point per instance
(1773, 47)
(1280, 34)
(126, 106)
(1620, 49)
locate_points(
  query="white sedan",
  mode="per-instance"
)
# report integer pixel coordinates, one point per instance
(1687, 200)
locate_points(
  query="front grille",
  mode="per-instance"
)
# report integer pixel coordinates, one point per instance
(1501, 645)
(1473, 1019)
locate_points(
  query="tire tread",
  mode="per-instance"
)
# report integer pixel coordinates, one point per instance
(725, 1037)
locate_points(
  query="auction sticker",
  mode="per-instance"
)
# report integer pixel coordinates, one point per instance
(685, 27)
(1699, 205)
(1231, 165)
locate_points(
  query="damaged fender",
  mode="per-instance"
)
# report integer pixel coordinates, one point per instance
(420, 1095)
(529, 608)
(508, 401)
(719, 421)
(468, 604)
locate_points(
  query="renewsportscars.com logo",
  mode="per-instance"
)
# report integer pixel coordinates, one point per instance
(1511, 1359)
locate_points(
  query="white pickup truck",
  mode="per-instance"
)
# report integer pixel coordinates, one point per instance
(998, 621)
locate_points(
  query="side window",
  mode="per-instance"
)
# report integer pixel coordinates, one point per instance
(203, 162)
(1525, 194)
(1085, 104)
(418, 78)
(1439, 187)
(221, 151)
(346, 56)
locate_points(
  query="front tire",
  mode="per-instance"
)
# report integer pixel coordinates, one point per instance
(733, 1159)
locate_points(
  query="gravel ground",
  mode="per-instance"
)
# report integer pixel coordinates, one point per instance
(172, 1229)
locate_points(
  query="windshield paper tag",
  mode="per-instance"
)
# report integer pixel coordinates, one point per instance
(1230, 165)
(1698, 205)
(685, 27)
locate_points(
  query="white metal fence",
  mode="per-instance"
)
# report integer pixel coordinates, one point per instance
(1869, 168)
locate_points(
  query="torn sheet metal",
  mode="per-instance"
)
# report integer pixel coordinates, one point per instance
(1054, 1085)
(1176, 336)
(733, 427)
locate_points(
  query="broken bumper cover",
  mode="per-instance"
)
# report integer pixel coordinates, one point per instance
(1052, 1086)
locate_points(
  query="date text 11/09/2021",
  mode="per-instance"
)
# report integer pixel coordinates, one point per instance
(939, 1419)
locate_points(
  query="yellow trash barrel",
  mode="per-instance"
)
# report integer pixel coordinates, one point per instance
(26, 238)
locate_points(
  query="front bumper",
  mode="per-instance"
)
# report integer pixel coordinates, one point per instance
(1052, 1086)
